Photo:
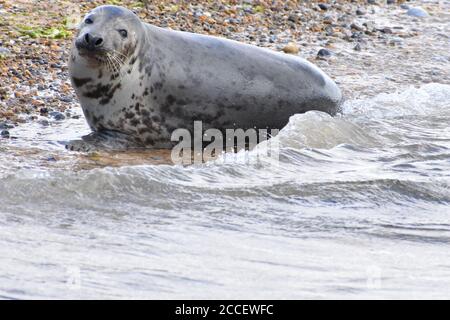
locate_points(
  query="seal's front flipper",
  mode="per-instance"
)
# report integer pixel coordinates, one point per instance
(80, 146)
(103, 140)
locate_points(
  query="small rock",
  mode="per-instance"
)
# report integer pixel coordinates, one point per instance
(357, 47)
(37, 103)
(44, 122)
(43, 111)
(293, 18)
(4, 52)
(65, 99)
(323, 6)
(323, 53)
(291, 48)
(417, 12)
(404, 6)
(5, 125)
(4, 134)
(360, 12)
(386, 30)
(371, 1)
(57, 115)
(328, 19)
(329, 31)
(347, 35)
(356, 26)
(390, 1)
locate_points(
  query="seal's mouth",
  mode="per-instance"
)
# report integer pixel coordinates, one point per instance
(112, 60)
(100, 56)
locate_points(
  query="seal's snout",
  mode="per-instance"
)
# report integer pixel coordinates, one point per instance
(90, 42)
(93, 41)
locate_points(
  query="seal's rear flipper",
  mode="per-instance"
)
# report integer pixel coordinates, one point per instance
(103, 140)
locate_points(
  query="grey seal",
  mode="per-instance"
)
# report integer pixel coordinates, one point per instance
(137, 82)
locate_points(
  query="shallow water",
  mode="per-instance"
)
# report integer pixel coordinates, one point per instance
(356, 207)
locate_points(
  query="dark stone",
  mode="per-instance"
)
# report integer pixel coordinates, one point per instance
(357, 47)
(5, 125)
(324, 53)
(65, 99)
(360, 12)
(323, 6)
(57, 115)
(4, 134)
(293, 18)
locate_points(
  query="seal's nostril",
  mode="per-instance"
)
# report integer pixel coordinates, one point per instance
(99, 42)
(86, 37)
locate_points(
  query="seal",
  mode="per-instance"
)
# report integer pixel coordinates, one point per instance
(137, 82)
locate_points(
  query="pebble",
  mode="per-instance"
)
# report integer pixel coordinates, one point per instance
(357, 47)
(417, 12)
(4, 134)
(57, 115)
(324, 53)
(5, 125)
(291, 48)
(356, 26)
(293, 18)
(360, 12)
(65, 99)
(44, 122)
(4, 52)
(323, 6)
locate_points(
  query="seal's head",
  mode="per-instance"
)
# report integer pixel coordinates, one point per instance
(108, 35)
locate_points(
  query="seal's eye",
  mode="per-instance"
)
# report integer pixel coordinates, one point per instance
(123, 33)
(88, 21)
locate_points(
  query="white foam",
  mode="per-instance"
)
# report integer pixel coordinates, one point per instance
(432, 98)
